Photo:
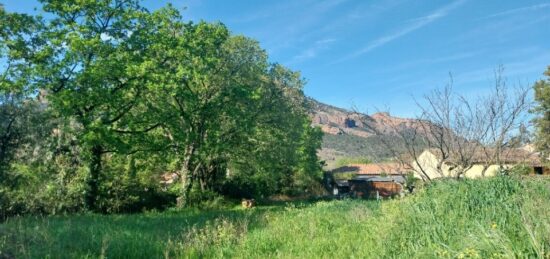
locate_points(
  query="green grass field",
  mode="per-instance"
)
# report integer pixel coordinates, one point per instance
(501, 217)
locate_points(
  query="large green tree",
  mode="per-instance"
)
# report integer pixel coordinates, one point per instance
(220, 101)
(96, 74)
(140, 90)
(542, 122)
(207, 94)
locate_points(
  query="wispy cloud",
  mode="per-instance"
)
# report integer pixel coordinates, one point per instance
(521, 72)
(411, 26)
(435, 59)
(313, 51)
(331, 24)
(277, 33)
(519, 10)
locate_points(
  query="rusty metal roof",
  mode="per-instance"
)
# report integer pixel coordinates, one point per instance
(366, 178)
(374, 169)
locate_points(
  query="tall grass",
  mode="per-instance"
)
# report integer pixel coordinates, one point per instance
(500, 217)
(497, 217)
(149, 235)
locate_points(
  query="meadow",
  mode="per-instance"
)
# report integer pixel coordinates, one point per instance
(500, 217)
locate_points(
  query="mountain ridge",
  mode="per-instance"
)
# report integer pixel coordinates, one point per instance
(337, 121)
(350, 134)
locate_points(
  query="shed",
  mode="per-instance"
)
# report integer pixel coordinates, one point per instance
(340, 187)
(376, 186)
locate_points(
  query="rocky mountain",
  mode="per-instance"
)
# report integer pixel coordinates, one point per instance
(350, 134)
(338, 121)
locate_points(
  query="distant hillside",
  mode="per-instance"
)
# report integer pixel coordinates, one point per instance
(338, 121)
(351, 134)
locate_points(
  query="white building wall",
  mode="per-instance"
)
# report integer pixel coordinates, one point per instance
(428, 162)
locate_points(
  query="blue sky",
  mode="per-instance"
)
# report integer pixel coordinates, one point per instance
(378, 54)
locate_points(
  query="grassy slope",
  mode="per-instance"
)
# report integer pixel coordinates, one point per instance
(336, 147)
(355, 146)
(498, 217)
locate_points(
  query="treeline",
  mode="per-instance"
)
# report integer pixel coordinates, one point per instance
(103, 99)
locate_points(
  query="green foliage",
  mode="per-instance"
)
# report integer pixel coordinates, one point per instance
(94, 74)
(542, 122)
(21, 47)
(499, 217)
(209, 200)
(521, 169)
(127, 95)
(24, 157)
(232, 110)
(128, 187)
(48, 176)
(411, 181)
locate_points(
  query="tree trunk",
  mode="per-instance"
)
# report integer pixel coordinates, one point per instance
(203, 181)
(187, 177)
(93, 182)
(205, 176)
(186, 185)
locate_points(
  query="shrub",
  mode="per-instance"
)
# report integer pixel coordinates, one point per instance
(411, 181)
(208, 199)
(521, 169)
